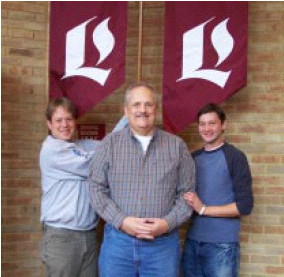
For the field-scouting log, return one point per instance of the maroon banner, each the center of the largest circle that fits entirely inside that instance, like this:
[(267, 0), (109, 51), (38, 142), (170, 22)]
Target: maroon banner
[(87, 50), (205, 57)]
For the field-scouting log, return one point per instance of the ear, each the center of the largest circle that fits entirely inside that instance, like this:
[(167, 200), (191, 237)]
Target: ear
[(157, 106), (125, 111), (48, 122), (224, 126)]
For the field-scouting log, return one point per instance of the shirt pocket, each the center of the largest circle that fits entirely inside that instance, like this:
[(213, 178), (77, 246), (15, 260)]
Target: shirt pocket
[(164, 169)]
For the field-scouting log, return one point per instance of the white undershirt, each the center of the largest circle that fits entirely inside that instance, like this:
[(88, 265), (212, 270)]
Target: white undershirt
[(214, 148), (144, 140)]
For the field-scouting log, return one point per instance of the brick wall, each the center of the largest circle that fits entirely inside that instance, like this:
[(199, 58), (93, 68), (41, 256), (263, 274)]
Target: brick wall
[(24, 87), (255, 115)]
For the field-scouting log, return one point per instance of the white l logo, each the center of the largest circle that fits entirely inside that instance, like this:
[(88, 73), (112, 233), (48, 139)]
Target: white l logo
[(103, 39), (193, 41)]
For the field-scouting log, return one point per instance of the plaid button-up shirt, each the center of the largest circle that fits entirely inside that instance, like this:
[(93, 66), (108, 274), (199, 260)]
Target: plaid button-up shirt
[(125, 181)]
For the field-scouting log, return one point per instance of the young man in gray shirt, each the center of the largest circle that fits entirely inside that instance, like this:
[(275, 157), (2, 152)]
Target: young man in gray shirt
[(69, 246)]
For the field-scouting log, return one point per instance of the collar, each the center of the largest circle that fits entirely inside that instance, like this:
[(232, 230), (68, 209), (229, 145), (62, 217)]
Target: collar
[(132, 135), (214, 149)]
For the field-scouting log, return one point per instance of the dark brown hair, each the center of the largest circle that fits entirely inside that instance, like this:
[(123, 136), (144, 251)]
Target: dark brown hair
[(211, 107)]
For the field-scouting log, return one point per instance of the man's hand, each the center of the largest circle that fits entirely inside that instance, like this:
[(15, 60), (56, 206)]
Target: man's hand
[(157, 226), (193, 201), (144, 228), (137, 227)]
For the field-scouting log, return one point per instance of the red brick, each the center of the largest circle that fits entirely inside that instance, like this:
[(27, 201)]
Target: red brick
[(275, 270), (258, 190), (12, 5), (10, 220), (21, 15), (25, 201), (266, 159), (15, 237), (252, 128), (252, 229), (274, 230), (238, 138), (266, 180), (275, 190), (21, 52), (36, 7)]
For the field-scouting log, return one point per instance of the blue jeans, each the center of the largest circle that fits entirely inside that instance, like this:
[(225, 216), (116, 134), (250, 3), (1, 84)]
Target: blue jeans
[(125, 256), (202, 259)]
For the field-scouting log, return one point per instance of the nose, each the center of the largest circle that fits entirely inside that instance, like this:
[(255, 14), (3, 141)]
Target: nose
[(206, 127), (143, 108), (64, 123)]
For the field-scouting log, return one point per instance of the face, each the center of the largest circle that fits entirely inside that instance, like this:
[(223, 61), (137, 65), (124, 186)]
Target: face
[(62, 124), (141, 111), (211, 129)]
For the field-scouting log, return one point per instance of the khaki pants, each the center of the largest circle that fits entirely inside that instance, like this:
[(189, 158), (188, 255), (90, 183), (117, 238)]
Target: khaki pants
[(69, 253)]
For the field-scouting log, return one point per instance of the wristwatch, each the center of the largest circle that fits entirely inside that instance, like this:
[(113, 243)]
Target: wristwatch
[(202, 210)]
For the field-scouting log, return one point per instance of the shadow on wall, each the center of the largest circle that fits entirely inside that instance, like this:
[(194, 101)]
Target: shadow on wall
[(23, 129)]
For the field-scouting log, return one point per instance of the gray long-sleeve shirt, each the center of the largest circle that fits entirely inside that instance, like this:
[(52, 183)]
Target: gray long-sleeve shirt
[(125, 181), (64, 171)]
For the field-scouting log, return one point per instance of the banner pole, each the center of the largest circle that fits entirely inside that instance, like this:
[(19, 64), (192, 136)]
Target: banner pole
[(139, 62)]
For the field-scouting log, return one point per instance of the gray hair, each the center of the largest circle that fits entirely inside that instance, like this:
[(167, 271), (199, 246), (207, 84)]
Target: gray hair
[(136, 85)]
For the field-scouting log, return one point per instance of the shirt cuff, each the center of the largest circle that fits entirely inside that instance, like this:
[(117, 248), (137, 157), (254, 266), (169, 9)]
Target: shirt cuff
[(171, 222), (117, 220)]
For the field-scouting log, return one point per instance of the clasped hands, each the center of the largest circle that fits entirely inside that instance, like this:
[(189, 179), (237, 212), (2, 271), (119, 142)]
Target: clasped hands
[(144, 228)]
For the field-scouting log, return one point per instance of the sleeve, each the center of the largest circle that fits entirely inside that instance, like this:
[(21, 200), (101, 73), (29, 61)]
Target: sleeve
[(64, 160), (99, 186), (122, 123), (180, 212), (242, 181), (88, 145)]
